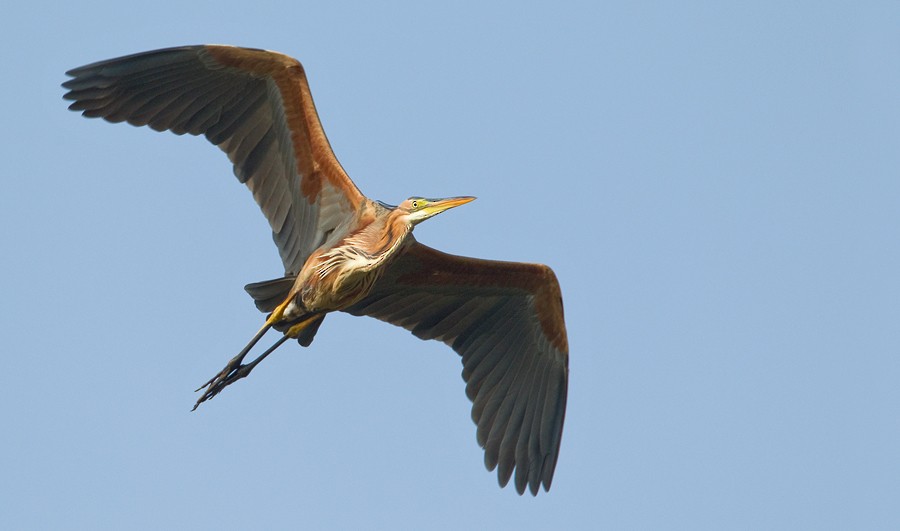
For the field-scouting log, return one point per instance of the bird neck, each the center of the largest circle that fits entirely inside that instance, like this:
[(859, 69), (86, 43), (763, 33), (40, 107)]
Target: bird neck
[(374, 243), (391, 231)]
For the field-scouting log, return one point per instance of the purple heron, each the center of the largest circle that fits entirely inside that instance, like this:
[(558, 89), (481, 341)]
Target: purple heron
[(345, 252)]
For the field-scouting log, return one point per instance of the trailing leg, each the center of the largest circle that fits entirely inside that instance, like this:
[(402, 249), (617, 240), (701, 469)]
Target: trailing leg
[(236, 369)]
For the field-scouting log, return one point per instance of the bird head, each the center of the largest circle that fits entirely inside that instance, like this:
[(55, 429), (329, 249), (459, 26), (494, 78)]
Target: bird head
[(418, 209)]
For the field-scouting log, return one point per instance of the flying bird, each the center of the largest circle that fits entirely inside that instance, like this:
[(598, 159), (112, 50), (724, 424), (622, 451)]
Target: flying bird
[(345, 252)]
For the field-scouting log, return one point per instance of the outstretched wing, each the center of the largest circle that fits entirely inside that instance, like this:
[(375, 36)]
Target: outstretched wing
[(506, 321), (256, 106)]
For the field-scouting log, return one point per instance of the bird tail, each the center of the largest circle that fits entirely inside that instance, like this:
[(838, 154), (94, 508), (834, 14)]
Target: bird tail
[(268, 294)]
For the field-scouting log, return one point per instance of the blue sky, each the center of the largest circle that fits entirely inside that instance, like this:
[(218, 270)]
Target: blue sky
[(716, 187)]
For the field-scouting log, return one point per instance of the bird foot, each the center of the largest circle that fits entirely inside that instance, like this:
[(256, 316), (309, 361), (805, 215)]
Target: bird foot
[(235, 370), (232, 372)]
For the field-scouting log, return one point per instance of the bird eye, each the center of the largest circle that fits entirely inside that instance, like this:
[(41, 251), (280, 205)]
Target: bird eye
[(415, 204)]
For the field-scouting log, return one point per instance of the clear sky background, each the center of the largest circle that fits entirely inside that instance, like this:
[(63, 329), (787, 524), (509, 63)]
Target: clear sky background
[(716, 186)]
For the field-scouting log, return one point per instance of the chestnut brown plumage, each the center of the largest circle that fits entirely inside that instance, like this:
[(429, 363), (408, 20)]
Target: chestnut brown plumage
[(345, 252)]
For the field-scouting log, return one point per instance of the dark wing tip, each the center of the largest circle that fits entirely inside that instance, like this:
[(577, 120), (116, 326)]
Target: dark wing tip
[(134, 58), (94, 73)]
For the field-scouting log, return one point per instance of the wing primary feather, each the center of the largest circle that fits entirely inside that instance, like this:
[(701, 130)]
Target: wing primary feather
[(491, 368), (526, 451), (513, 420), (179, 104), (478, 333), (495, 419), (160, 81), (223, 134), (195, 99), (156, 112), (123, 94), (135, 79), (558, 389), (245, 101), (121, 66), (480, 363), (206, 115), (537, 449), (494, 391)]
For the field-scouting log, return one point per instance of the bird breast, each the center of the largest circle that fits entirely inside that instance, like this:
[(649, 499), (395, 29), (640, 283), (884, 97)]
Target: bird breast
[(341, 277)]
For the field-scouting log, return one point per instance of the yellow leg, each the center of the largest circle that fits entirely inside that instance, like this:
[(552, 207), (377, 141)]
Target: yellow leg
[(278, 312), (295, 330), (235, 370)]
